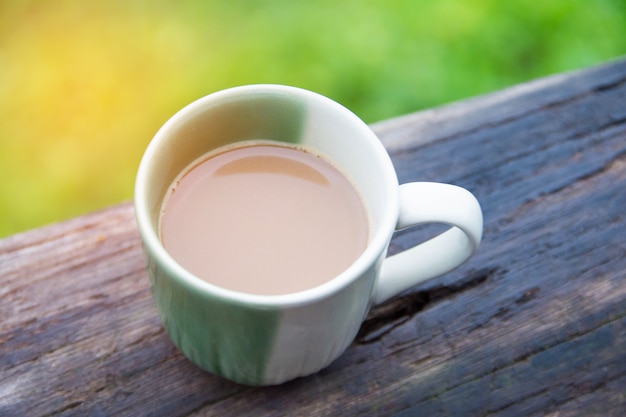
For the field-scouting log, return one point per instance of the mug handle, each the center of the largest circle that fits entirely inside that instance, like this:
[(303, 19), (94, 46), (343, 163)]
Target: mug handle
[(429, 202)]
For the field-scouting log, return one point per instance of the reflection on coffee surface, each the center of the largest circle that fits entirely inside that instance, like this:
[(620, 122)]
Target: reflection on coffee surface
[(264, 218)]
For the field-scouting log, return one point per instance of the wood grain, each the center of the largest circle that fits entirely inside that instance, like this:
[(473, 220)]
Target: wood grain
[(534, 324)]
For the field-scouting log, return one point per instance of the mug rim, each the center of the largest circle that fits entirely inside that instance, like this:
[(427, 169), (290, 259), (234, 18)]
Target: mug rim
[(376, 247)]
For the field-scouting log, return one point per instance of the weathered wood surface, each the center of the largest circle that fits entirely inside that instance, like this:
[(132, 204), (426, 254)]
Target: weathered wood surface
[(534, 324)]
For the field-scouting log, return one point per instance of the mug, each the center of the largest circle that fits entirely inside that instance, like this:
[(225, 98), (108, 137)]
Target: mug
[(269, 339)]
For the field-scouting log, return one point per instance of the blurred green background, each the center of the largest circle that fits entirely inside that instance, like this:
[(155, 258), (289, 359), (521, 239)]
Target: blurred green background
[(84, 84)]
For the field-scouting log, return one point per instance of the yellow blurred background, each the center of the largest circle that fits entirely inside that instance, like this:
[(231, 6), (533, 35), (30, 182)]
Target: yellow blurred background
[(85, 84)]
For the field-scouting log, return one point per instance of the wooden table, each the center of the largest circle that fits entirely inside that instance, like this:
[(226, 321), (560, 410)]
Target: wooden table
[(534, 324)]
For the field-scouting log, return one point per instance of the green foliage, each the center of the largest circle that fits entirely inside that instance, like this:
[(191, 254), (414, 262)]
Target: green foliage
[(84, 85)]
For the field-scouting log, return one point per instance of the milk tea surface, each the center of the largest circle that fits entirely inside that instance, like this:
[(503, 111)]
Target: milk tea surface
[(264, 219)]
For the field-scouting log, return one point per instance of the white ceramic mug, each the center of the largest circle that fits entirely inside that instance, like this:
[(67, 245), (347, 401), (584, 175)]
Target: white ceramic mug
[(270, 339)]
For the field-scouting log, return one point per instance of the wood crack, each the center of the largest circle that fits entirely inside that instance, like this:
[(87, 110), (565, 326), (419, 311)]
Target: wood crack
[(386, 317), (69, 407)]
